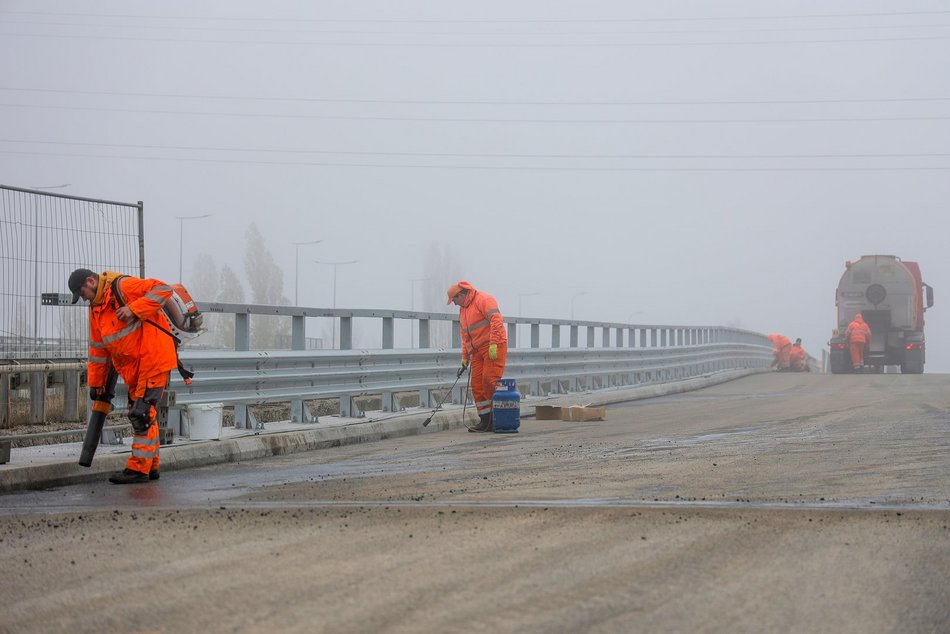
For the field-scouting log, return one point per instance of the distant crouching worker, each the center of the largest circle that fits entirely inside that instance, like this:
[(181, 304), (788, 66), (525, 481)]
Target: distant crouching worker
[(125, 317), (780, 351), (858, 335), (796, 357), (484, 345)]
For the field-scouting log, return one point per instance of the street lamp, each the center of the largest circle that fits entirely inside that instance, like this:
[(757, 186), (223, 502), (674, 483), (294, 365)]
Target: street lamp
[(335, 265), (412, 305), (573, 297), (181, 236), (297, 246)]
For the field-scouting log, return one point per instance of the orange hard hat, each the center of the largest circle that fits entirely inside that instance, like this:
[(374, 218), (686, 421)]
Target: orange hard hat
[(454, 290)]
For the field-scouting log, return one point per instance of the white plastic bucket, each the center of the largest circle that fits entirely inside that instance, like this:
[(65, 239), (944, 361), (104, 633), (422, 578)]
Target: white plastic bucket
[(204, 420)]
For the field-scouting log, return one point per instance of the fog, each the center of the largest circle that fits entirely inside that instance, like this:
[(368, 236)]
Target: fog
[(683, 163)]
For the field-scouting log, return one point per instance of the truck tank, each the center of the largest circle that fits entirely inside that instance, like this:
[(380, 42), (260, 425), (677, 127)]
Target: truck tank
[(891, 296)]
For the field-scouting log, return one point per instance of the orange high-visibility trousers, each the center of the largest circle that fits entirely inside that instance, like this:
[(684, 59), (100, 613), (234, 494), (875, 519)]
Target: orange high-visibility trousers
[(145, 447), (857, 353), (485, 373)]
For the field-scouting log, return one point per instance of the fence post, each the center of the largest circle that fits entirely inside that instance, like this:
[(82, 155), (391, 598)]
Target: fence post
[(4, 400), (37, 397)]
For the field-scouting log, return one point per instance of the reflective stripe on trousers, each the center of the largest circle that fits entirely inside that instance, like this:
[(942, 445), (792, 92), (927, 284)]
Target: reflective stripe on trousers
[(485, 373)]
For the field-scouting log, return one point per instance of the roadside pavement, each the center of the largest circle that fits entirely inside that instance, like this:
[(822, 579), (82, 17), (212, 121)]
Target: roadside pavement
[(45, 466)]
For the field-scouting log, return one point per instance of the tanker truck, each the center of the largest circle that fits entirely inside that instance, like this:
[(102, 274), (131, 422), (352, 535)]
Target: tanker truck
[(891, 296)]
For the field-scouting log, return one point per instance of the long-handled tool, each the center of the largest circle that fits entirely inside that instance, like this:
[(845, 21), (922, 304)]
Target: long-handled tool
[(101, 406), (458, 376)]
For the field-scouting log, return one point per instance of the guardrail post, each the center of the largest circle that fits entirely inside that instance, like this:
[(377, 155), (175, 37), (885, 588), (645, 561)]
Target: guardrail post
[(590, 336), (387, 402), (388, 330), (573, 336), (424, 398), (605, 336), (242, 332), (37, 397), (297, 333), (535, 335), (346, 406), (71, 395), (424, 339), (555, 336), (456, 334), (663, 333), (346, 333), (244, 418), (512, 335)]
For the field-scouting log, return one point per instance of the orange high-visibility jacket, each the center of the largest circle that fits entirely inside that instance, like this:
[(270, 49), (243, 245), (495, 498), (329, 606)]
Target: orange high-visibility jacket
[(796, 357), (858, 330), (137, 349), (779, 341), (481, 322)]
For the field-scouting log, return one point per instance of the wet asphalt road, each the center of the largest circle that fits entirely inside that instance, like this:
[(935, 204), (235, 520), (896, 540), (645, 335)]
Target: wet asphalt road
[(778, 502)]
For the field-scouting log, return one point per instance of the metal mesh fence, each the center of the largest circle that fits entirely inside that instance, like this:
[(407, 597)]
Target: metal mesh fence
[(43, 238)]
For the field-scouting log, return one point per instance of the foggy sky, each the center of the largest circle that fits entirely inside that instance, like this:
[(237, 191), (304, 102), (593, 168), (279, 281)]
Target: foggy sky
[(679, 163)]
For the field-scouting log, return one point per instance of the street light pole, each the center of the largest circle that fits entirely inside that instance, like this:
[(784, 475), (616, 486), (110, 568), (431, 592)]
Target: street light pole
[(573, 297), (297, 246), (335, 265), (181, 238)]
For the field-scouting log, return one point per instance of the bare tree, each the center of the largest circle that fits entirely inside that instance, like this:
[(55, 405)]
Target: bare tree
[(230, 291), (266, 280), (203, 289), (441, 269)]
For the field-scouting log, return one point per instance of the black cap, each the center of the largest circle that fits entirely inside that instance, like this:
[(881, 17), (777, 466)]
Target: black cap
[(76, 279)]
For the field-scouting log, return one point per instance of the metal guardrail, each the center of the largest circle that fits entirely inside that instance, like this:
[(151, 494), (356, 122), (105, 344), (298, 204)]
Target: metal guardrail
[(242, 378), (622, 354)]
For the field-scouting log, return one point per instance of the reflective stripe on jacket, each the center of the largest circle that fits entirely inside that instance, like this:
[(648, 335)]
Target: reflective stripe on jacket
[(858, 331), (481, 322), (137, 348)]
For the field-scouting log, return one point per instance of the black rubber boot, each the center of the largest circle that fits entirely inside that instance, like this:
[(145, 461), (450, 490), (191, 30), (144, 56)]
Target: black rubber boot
[(128, 476), (483, 424), (154, 474)]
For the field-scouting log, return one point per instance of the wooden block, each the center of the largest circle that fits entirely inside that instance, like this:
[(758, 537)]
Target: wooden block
[(584, 413), (547, 412)]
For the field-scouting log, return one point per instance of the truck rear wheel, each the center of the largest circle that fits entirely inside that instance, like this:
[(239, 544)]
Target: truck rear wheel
[(840, 363), (913, 362)]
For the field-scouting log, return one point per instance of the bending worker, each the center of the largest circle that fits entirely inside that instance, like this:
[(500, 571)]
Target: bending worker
[(796, 357), (858, 335), (125, 314), (484, 345), (780, 351)]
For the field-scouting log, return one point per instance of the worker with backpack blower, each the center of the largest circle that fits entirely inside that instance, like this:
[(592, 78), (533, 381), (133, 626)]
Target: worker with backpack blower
[(484, 346), (129, 331)]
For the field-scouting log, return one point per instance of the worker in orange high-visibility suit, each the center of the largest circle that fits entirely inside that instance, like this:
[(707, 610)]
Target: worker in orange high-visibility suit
[(796, 357), (858, 335), (125, 314), (484, 346), (781, 348)]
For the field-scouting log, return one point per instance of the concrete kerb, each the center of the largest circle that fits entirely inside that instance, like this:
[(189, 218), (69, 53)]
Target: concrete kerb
[(64, 469)]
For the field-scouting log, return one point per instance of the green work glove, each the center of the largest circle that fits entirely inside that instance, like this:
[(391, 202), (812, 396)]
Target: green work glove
[(464, 362), (493, 351)]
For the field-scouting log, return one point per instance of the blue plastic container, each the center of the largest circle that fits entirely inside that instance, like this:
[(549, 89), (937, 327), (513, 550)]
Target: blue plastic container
[(506, 407)]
